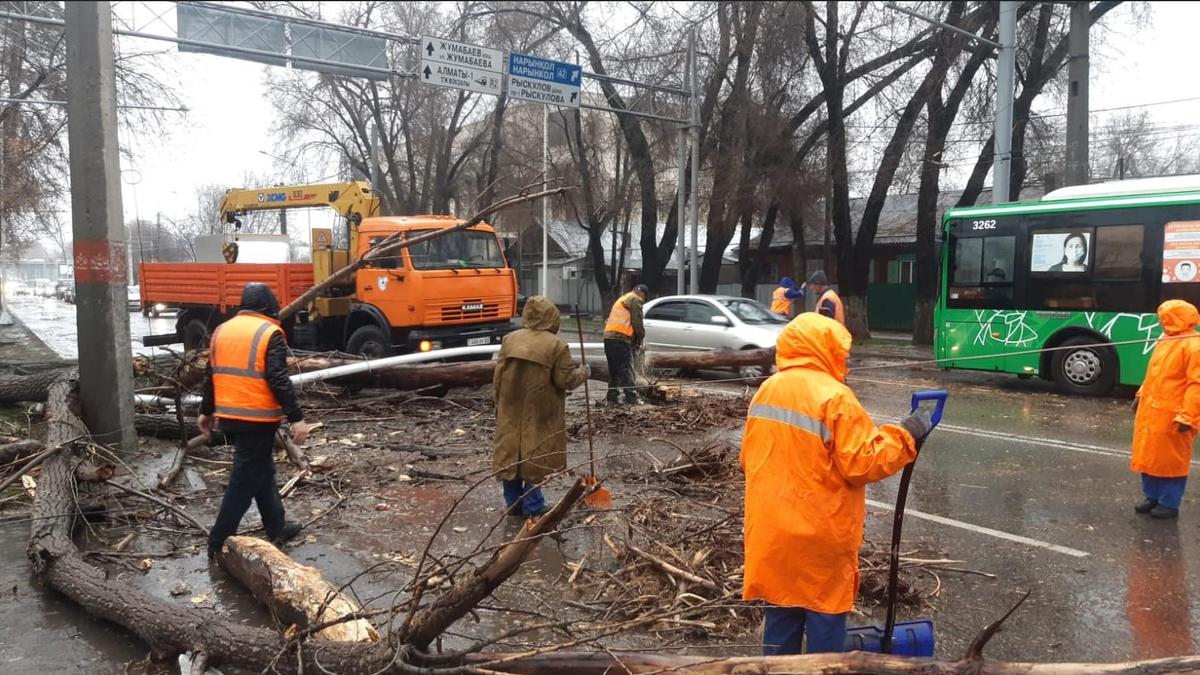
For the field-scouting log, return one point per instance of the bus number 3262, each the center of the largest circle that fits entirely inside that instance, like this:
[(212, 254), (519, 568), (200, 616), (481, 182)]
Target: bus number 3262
[(983, 225)]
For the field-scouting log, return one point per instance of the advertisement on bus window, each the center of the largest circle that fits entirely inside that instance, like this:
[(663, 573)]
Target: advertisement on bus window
[(1064, 252), (1181, 252)]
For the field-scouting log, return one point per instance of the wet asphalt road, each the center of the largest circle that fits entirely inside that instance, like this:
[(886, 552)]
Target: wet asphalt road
[(54, 322), (1019, 482), (1034, 487)]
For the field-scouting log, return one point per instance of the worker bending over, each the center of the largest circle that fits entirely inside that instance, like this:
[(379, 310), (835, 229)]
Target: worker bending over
[(781, 299), (248, 389), (809, 449), (1167, 411), (624, 336), (533, 374)]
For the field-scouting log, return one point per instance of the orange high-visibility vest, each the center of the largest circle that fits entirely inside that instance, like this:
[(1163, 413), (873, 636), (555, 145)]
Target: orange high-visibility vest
[(238, 356), (619, 319), (780, 304), (839, 313)]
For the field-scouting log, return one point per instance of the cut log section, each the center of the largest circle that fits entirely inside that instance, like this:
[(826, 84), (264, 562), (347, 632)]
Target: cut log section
[(298, 594)]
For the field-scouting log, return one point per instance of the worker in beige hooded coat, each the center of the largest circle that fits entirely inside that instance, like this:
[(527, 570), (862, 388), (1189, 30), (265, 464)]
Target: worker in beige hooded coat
[(533, 374)]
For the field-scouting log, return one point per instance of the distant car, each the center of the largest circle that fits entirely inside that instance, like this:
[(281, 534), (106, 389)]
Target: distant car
[(43, 288), (707, 322), (134, 295), (16, 287), (68, 294), (62, 286)]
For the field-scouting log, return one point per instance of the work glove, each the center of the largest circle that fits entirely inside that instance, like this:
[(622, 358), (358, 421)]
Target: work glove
[(587, 370), (205, 422), (1182, 428), (918, 423)]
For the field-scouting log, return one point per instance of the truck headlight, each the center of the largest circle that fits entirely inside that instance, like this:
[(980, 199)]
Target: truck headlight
[(159, 307), (427, 345)]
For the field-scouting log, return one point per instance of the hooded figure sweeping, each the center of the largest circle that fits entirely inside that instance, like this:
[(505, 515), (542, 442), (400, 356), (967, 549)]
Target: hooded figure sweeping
[(1167, 411), (534, 372)]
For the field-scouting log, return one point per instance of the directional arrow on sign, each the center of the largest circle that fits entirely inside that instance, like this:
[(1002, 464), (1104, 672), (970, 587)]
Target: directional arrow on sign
[(429, 48), (427, 72), (573, 95)]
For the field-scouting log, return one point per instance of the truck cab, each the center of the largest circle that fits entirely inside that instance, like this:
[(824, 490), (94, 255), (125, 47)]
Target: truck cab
[(453, 291)]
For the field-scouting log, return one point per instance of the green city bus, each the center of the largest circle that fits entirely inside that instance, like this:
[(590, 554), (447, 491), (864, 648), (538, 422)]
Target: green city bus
[(1082, 271)]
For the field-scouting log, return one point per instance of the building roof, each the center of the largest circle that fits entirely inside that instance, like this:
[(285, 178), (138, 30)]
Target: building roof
[(897, 221)]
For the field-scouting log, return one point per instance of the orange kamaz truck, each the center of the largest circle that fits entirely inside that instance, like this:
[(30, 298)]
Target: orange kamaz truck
[(451, 291)]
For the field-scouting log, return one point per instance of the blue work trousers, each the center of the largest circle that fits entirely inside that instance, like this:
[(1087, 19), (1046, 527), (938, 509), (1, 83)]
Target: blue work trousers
[(1166, 492), (784, 628), (522, 497)]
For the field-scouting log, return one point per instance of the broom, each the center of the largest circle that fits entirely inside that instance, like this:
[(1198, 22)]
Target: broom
[(599, 497)]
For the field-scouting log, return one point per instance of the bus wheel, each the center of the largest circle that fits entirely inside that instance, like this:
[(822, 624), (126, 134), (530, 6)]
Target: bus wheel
[(195, 335), (1086, 369), (369, 341)]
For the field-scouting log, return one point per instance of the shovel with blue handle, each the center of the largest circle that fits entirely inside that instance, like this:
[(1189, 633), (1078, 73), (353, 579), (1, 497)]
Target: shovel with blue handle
[(910, 638)]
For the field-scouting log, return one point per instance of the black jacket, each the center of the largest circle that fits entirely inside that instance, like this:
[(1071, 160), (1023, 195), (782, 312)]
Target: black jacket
[(277, 379)]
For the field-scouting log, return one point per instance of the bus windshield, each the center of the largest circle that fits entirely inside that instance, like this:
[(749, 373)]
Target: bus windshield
[(457, 250)]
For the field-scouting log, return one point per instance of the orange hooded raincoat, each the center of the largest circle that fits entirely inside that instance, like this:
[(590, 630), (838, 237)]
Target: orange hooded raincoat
[(1169, 394), (809, 450)]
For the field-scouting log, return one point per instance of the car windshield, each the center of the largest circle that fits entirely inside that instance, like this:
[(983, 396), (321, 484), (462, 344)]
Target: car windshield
[(752, 312), (465, 248)]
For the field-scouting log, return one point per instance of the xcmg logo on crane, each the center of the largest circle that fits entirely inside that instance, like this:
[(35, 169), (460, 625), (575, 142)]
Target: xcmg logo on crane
[(272, 197)]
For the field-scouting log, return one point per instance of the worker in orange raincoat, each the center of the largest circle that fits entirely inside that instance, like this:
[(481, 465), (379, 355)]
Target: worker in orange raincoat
[(1167, 410), (809, 450)]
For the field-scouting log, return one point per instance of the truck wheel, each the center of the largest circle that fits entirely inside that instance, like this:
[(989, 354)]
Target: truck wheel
[(1087, 370), (195, 335), (369, 341)]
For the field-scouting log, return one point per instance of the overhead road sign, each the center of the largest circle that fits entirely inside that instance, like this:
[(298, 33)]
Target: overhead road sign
[(461, 54), (458, 65), (460, 77), (533, 78)]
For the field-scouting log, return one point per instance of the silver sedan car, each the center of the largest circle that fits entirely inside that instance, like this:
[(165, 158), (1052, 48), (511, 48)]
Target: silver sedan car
[(706, 322)]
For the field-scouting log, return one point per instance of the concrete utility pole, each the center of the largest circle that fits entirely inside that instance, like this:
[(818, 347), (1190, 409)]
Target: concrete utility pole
[(1078, 67), (545, 202), (1005, 76), (101, 275), (681, 204), (694, 214)]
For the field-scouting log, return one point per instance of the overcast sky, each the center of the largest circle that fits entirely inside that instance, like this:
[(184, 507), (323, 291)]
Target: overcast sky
[(229, 122)]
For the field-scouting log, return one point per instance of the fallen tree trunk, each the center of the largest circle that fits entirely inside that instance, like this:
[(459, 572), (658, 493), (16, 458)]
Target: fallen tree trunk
[(296, 593), (479, 373), (32, 386), (588, 663), (167, 426)]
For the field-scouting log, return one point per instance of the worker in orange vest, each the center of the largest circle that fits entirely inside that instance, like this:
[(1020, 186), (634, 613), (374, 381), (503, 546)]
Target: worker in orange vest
[(809, 449), (1167, 411), (828, 302), (248, 390), (623, 338), (781, 299)]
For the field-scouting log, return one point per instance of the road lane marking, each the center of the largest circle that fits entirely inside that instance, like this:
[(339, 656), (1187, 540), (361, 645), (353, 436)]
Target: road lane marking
[(942, 520)]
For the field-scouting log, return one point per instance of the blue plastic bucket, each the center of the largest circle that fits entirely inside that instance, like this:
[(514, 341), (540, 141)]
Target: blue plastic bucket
[(910, 638)]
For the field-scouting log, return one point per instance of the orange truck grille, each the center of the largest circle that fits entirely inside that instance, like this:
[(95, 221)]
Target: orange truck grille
[(467, 310)]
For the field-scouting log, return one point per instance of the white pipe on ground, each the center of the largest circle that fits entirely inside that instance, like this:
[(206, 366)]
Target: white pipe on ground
[(374, 365)]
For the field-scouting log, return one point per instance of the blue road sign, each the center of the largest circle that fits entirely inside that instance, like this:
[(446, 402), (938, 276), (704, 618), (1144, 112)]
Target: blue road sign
[(547, 70)]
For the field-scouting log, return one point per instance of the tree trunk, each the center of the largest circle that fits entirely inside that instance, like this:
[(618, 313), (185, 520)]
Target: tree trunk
[(295, 593)]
